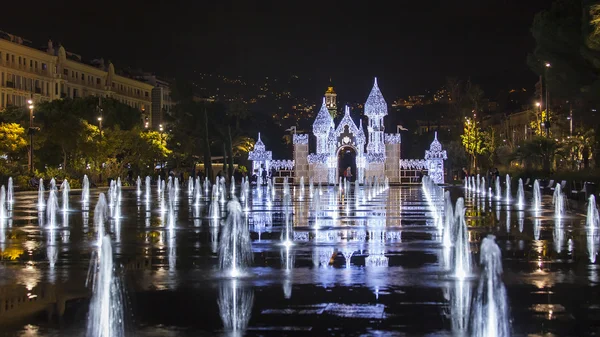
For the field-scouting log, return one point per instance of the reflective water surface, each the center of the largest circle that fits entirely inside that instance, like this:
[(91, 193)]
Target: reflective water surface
[(359, 263)]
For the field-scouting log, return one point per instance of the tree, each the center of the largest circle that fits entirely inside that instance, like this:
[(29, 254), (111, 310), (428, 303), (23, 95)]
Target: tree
[(61, 123), (12, 140), (537, 152), (567, 37), (192, 132), (491, 142), (472, 140)]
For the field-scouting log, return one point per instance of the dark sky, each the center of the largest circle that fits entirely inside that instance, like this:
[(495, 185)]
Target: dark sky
[(410, 45)]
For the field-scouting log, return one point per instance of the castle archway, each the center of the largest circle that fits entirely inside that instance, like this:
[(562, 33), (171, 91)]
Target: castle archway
[(346, 158)]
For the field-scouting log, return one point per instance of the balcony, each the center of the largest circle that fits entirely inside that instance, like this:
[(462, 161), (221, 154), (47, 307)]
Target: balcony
[(10, 84), (38, 91)]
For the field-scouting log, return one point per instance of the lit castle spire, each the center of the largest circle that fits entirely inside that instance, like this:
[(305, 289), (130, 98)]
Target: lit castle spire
[(375, 110), (321, 127)]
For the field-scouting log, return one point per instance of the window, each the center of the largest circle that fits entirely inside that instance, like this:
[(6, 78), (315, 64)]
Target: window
[(82, 76), (19, 60), (36, 65), (66, 72), (1, 100), (146, 94), (98, 80), (56, 88), (44, 66), (30, 63)]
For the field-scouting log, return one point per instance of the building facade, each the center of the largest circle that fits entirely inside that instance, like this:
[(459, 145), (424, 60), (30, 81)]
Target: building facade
[(53, 73), (162, 103)]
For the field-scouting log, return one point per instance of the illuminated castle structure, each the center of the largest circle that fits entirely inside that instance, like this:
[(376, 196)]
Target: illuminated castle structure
[(368, 155), (377, 154)]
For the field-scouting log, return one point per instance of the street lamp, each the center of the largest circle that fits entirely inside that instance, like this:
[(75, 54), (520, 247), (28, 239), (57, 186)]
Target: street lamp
[(547, 122), (100, 123), (537, 116), (160, 128), (31, 106)]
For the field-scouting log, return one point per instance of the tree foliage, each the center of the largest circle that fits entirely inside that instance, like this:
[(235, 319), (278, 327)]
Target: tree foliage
[(12, 139), (472, 140)]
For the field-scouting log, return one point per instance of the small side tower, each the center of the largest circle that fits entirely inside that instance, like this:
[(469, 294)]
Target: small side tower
[(321, 127)]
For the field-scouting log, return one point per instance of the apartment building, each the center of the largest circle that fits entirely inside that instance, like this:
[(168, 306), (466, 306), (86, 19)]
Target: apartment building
[(50, 73)]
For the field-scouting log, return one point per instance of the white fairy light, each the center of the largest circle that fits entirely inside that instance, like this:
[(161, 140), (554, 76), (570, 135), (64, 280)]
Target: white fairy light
[(300, 138), (435, 157)]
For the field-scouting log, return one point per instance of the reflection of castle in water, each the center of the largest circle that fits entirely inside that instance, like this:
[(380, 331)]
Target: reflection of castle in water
[(368, 241)]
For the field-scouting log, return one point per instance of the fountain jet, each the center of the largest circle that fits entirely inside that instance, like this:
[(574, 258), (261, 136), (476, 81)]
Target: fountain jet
[(51, 208), (537, 196), (520, 195), (85, 190), (3, 211), (235, 250), (10, 191), (215, 211), (490, 307), (65, 188), (100, 215), (461, 255), (559, 201), (105, 317), (41, 201), (508, 194)]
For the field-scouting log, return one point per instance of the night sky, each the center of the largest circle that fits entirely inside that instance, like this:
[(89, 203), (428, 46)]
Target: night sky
[(410, 45)]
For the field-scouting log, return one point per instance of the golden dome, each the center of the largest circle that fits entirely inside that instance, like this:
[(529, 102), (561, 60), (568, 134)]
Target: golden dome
[(330, 90)]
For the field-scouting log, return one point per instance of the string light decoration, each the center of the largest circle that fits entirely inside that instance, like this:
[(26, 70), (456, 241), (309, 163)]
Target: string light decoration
[(375, 109), (321, 127), (375, 158), (285, 164), (376, 104), (347, 121), (260, 157), (300, 138), (318, 158), (393, 138), (435, 157), (259, 152), (413, 164)]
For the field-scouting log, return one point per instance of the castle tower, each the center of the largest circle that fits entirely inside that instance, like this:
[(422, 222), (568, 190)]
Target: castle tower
[(375, 110), (321, 128), (331, 100)]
